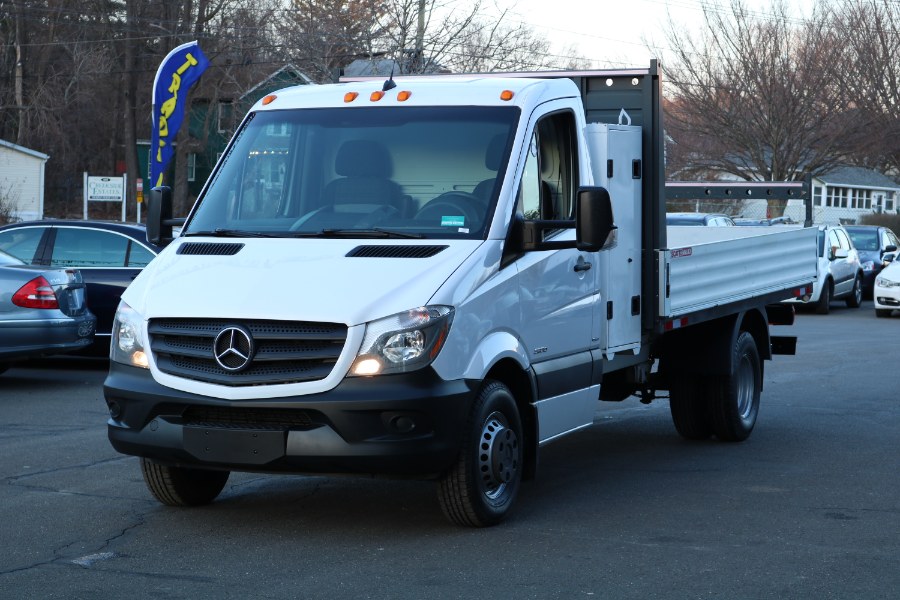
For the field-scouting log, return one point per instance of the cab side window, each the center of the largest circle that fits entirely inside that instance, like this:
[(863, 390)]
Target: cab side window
[(550, 176)]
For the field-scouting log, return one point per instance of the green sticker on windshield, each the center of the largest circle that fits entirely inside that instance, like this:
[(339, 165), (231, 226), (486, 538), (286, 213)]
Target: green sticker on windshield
[(453, 221)]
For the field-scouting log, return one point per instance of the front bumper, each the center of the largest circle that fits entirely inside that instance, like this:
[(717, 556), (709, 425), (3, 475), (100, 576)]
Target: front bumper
[(887, 298), (408, 425)]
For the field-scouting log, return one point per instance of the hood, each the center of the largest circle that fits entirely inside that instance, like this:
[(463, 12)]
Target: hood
[(349, 281)]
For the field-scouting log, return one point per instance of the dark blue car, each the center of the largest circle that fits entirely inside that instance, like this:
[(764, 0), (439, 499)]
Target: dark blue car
[(872, 242), (108, 254)]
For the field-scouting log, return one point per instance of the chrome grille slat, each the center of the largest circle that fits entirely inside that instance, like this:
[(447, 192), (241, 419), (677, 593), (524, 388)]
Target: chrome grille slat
[(286, 351)]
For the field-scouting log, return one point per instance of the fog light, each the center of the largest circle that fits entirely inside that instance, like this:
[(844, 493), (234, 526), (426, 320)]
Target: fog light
[(115, 409)]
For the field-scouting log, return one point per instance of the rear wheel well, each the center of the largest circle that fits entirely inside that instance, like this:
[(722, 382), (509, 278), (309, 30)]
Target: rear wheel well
[(521, 385)]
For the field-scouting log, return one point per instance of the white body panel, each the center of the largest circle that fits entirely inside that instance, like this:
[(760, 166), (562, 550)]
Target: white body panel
[(706, 267)]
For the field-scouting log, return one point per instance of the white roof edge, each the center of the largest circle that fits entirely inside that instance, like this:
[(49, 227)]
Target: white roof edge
[(24, 150)]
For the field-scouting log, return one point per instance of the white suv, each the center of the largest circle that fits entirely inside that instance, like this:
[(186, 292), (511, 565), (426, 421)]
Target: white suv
[(840, 272)]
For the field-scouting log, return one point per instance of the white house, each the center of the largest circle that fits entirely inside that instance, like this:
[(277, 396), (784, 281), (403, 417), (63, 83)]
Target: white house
[(22, 181), (842, 195)]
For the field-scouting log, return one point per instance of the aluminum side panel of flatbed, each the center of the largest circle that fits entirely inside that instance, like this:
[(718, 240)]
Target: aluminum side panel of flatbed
[(706, 267)]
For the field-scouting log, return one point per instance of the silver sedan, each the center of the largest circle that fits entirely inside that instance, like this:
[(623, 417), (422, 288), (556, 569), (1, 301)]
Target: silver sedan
[(42, 311)]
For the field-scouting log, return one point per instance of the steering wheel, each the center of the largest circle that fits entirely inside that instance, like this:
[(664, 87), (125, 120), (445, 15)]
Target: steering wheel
[(453, 204)]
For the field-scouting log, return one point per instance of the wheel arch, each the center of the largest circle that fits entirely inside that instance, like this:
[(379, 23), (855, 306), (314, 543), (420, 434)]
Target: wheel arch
[(705, 348)]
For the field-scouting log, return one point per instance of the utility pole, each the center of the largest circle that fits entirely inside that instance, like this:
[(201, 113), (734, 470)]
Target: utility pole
[(419, 60)]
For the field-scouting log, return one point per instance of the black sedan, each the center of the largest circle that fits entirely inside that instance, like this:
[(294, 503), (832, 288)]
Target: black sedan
[(108, 254), (42, 311), (872, 242)]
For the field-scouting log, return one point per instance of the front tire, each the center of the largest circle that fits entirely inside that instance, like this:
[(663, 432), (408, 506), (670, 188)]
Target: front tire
[(179, 486), (734, 398), (480, 489), (856, 294)]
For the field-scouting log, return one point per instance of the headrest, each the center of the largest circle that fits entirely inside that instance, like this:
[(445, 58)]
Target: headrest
[(495, 152), (363, 158)]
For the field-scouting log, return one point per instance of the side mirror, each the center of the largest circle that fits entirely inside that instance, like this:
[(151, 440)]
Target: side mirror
[(890, 257), (159, 216), (594, 227), (840, 253)]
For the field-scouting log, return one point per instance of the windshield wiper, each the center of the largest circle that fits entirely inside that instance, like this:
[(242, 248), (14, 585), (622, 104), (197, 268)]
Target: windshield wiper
[(375, 232), (237, 233)]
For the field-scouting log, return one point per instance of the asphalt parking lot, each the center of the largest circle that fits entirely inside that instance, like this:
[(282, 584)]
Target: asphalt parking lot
[(808, 507)]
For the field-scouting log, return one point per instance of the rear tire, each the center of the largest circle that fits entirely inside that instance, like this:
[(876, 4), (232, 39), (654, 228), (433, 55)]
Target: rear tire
[(179, 486), (734, 398), (479, 490), (688, 405), (824, 305), (855, 298)]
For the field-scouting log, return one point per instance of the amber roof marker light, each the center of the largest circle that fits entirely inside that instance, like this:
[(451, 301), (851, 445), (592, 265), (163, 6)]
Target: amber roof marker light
[(506, 95), (376, 96), (350, 96), (268, 99), (403, 96)]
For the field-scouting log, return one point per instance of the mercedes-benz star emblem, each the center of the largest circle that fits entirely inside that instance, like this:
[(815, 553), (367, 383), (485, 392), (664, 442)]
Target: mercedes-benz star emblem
[(234, 349)]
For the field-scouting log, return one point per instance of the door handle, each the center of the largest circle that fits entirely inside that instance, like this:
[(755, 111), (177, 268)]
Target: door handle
[(582, 265)]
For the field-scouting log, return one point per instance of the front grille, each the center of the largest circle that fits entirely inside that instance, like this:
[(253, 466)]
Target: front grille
[(262, 419), (285, 351)]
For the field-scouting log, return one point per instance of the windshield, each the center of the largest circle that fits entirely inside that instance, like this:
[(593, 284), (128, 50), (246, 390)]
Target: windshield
[(431, 172), (864, 240)]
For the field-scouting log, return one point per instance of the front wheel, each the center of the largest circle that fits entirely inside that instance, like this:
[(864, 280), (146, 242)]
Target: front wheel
[(479, 490), (734, 398), (855, 298), (180, 486)]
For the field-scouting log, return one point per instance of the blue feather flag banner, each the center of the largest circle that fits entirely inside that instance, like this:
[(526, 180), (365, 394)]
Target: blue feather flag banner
[(180, 70)]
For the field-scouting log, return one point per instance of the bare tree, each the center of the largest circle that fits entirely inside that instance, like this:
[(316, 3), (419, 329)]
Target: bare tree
[(755, 97), (324, 35), (870, 75)]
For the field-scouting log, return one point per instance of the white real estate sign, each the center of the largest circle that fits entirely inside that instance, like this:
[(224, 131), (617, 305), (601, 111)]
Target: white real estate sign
[(105, 189)]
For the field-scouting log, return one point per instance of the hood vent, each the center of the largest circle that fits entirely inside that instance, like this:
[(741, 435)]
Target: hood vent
[(395, 251), (208, 249)]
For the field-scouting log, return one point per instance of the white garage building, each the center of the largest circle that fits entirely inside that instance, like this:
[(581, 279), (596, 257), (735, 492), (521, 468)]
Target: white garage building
[(22, 181)]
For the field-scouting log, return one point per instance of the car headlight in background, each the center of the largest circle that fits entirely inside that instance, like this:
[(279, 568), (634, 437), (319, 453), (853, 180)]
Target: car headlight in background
[(886, 283), (127, 344), (403, 342)]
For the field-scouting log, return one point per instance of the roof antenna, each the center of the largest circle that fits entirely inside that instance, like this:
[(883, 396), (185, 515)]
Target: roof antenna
[(389, 84)]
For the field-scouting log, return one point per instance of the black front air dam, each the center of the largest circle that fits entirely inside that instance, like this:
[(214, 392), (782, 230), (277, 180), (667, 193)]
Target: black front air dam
[(404, 425)]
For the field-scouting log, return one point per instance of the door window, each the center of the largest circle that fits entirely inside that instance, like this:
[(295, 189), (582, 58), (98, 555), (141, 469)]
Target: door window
[(22, 242), (547, 189), (88, 248)]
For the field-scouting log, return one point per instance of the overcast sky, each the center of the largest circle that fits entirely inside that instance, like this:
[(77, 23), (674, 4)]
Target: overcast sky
[(611, 32)]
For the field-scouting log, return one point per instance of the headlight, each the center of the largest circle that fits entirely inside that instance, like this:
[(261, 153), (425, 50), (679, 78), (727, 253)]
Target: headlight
[(886, 283), (127, 344), (868, 265), (403, 342)]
